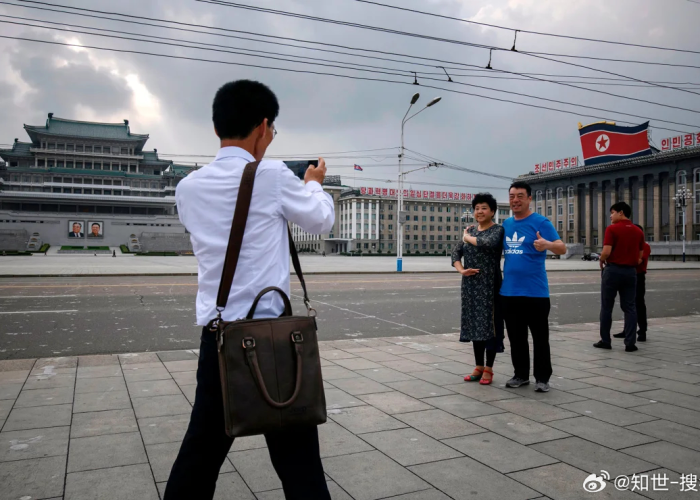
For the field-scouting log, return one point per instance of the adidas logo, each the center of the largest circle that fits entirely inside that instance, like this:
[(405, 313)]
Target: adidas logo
[(514, 243)]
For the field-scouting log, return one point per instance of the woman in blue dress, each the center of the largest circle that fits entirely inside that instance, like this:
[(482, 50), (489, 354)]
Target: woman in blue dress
[(478, 259)]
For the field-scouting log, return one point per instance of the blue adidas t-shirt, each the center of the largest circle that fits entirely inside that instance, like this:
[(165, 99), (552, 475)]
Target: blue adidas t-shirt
[(524, 274)]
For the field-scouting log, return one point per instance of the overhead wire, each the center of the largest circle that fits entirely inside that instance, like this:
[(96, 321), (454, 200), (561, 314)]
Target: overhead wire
[(375, 69), (531, 32), (290, 70)]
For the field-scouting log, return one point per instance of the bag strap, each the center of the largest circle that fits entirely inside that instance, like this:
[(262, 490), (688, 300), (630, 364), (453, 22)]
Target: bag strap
[(235, 241)]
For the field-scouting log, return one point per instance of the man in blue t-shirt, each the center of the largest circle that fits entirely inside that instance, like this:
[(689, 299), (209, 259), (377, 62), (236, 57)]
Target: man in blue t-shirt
[(525, 291)]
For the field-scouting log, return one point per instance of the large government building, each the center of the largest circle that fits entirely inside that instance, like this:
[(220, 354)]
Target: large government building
[(577, 200)]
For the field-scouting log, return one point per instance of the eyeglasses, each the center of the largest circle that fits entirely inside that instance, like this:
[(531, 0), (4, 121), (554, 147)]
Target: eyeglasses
[(274, 131)]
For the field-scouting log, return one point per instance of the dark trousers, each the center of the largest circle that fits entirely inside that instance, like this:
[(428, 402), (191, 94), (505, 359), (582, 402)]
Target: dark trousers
[(640, 303), (294, 454), (622, 280), (479, 350), (520, 314)]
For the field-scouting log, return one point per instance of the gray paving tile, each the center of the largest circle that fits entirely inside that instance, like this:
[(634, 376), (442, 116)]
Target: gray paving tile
[(439, 377), (431, 494), (98, 360), (167, 429), (589, 456), (385, 375), (532, 409), (8, 365), (103, 384), (256, 469), (141, 373), (611, 397), (553, 397), (159, 406), (138, 358), (251, 442), (601, 432), (607, 413), (687, 378), (357, 364), (419, 388), (10, 391), (672, 398), (96, 401), (335, 440), (562, 481), (185, 378), (396, 349), (517, 428), (5, 407), (98, 423), (166, 356), (38, 417), (185, 365), (673, 413), (99, 371), (360, 385), (616, 385), (371, 475), (465, 478), (670, 431), (410, 447), (362, 419), (45, 397), (101, 452), (394, 402), (425, 357), (567, 384), (462, 406), (13, 377), (35, 478), (150, 388), (497, 452), (439, 424), (33, 443), (49, 381), (231, 486), (668, 455), (332, 373), (162, 457), (483, 393), (453, 367), (116, 483), (378, 356), (672, 385), (58, 362), (189, 391), (335, 399), (338, 354)]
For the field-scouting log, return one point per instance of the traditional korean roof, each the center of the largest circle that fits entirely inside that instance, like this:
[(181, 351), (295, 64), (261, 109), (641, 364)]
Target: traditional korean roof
[(18, 149), (73, 128)]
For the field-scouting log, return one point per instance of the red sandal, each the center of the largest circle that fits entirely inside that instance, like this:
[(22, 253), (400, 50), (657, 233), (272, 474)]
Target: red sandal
[(475, 375), (484, 380)]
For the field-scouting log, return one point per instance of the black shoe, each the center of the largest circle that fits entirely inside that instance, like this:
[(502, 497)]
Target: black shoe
[(641, 337), (631, 348), (602, 345), (620, 335)]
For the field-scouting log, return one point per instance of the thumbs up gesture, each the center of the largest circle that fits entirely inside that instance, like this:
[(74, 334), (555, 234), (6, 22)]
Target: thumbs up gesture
[(540, 243)]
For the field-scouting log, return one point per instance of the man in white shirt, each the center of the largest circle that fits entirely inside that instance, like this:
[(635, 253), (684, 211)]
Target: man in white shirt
[(243, 115)]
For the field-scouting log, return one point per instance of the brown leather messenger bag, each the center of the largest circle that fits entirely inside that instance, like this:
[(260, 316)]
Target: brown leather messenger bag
[(270, 368)]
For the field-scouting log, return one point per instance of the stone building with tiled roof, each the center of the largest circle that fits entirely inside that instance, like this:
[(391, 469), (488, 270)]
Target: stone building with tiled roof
[(86, 172)]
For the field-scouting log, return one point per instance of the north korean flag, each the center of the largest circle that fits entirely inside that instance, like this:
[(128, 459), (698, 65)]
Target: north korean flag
[(602, 142)]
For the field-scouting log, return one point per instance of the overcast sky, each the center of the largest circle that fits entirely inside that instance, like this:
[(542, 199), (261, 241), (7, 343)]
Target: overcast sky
[(170, 99)]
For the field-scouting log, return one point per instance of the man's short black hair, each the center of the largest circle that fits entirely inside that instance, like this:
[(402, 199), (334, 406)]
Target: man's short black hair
[(623, 207), (241, 106), (95, 224), (78, 224), (521, 185), (485, 198)]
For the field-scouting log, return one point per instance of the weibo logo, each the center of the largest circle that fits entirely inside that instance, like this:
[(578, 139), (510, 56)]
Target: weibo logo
[(514, 243)]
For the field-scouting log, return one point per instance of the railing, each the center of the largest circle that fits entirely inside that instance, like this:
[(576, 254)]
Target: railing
[(84, 153)]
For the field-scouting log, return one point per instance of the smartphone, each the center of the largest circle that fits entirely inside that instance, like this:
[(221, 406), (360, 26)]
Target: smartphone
[(299, 166)]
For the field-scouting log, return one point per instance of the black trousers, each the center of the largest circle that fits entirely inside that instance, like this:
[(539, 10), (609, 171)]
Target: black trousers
[(479, 350), (294, 454), (622, 280), (520, 314), (640, 303)]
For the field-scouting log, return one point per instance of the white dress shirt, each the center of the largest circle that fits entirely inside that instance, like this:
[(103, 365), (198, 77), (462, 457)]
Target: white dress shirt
[(206, 200)]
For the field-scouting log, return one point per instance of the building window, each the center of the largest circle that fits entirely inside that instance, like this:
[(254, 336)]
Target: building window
[(571, 239), (549, 194), (560, 225), (560, 193), (549, 210), (432, 209), (424, 208), (583, 240), (571, 192), (595, 241), (560, 210), (539, 210), (538, 196), (571, 224)]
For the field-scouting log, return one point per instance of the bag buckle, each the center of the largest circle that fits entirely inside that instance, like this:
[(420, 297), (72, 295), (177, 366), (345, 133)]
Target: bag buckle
[(309, 310), (248, 343), (297, 337)]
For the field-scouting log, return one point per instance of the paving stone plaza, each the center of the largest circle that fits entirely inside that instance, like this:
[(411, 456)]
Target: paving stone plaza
[(402, 424)]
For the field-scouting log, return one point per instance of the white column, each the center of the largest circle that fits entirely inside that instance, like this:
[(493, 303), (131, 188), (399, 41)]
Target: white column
[(369, 214), (353, 219)]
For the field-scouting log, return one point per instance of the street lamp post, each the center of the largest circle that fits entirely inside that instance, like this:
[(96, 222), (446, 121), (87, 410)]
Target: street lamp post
[(399, 204), (682, 196)]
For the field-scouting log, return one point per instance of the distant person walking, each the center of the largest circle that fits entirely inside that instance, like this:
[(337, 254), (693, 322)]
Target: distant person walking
[(641, 289), (525, 290), (478, 259), (623, 251), (114, 253)]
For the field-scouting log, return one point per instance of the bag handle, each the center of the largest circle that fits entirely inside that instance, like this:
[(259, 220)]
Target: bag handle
[(233, 251), (285, 299), (249, 346)]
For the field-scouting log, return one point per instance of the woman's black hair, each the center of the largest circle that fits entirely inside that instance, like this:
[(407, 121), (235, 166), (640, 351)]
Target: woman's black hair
[(485, 198)]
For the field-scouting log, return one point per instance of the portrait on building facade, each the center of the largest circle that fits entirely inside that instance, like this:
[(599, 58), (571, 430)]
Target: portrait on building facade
[(95, 229), (76, 228)]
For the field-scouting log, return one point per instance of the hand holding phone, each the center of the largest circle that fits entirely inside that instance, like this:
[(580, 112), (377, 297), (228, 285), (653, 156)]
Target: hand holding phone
[(316, 171)]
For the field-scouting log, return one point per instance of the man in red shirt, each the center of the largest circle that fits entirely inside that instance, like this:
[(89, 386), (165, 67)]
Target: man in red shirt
[(623, 251), (640, 304)]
